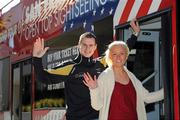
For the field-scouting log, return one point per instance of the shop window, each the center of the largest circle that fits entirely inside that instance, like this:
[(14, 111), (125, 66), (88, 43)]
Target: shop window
[(4, 84)]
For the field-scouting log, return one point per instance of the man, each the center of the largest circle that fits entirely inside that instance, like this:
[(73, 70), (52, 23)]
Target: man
[(77, 94)]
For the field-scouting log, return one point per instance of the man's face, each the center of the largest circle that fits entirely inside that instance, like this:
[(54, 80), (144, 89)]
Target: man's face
[(87, 47)]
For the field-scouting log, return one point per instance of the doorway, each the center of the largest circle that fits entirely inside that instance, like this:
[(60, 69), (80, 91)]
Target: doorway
[(21, 90), (144, 62)]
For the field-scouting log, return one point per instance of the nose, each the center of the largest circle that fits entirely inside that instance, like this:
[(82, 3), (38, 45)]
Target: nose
[(118, 56), (87, 47)]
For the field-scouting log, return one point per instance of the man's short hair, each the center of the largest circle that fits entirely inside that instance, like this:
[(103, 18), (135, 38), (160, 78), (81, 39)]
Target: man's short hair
[(87, 35)]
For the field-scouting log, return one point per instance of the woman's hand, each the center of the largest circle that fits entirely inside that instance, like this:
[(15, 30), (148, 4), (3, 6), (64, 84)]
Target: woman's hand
[(38, 48), (89, 81)]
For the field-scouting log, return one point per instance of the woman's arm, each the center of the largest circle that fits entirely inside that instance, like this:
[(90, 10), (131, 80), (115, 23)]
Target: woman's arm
[(151, 97)]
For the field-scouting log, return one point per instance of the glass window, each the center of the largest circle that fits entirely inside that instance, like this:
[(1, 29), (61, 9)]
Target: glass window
[(22, 95), (4, 84)]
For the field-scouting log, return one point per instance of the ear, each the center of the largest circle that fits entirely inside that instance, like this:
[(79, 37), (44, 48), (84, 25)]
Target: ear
[(95, 47)]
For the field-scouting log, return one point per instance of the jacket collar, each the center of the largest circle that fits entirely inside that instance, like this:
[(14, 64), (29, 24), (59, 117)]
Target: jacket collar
[(130, 74), (81, 60)]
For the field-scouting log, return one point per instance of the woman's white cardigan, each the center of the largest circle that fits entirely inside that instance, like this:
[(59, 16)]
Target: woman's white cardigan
[(101, 96)]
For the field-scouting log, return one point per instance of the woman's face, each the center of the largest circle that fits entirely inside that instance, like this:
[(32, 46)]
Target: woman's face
[(118, 55), (87, 47)]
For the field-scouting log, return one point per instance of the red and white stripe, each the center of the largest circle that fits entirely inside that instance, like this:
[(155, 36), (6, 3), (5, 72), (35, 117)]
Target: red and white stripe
[(119, 11), (154, 6), (129, 9), (134, 10)]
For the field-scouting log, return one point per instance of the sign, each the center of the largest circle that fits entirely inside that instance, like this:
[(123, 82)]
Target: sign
[(48, 114), (49, 18), (55, 58)]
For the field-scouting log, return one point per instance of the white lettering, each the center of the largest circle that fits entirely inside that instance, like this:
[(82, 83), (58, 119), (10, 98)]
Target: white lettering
[(49, 58), (76, 10), (81, 7), (27, 19), (36, 19), (103, 2), (37, 9), (86, 4)]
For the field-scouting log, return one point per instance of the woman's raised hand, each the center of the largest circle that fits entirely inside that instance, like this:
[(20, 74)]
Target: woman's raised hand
[(38, 48), (89, 81)]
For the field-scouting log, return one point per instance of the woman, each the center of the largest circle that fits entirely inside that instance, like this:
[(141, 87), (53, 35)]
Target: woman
[(117, 93)]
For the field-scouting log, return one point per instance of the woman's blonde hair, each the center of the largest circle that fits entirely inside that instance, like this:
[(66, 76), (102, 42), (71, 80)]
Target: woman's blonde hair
[(110, 46)]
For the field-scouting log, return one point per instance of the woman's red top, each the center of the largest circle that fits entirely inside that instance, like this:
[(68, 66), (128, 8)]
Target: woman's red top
[(123, 102)]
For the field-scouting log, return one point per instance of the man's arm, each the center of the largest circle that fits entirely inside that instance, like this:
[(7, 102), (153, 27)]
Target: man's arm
[(44, 76), (131, 41), (135, 29)]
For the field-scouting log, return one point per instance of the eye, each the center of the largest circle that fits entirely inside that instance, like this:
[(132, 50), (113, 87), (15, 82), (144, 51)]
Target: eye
[(92, 45), (84, 45), (114, 54)]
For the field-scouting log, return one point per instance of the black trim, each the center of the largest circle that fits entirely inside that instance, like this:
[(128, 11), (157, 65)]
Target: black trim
[(144, 18), (178, 46), (167, 68)]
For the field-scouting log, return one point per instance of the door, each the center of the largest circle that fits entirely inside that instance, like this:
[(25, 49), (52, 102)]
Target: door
[(144, 62), (21, 90), (15, 91)]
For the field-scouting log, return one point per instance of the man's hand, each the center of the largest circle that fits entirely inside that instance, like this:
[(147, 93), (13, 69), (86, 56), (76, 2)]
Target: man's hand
[(38, 48), (135, 26)]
